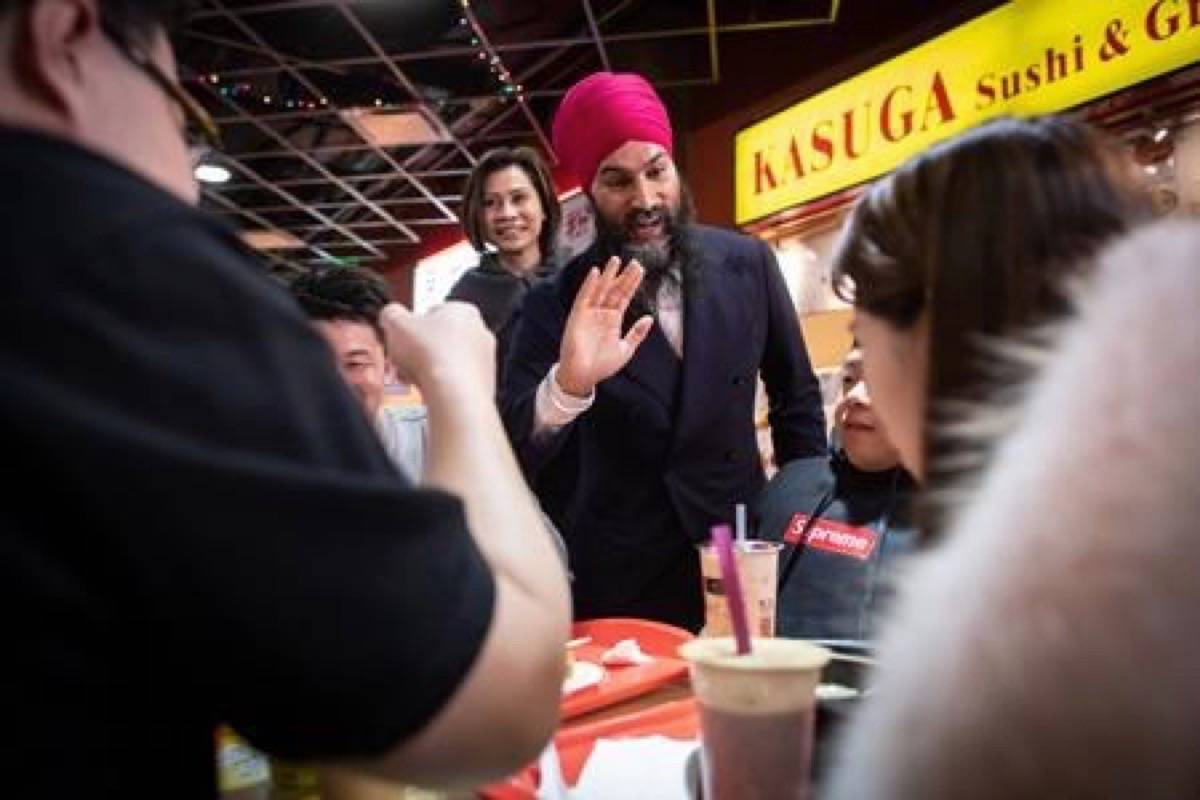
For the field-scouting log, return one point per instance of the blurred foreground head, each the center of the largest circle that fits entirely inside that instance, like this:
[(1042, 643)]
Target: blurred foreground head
[(82, 70), (973, 242)]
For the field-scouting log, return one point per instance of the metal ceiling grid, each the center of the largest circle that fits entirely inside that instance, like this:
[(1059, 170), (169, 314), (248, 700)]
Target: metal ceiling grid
[(278, 75)]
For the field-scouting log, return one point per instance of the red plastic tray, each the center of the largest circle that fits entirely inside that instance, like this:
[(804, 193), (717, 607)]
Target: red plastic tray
[(678, 719), (575, 740), (621, 683)]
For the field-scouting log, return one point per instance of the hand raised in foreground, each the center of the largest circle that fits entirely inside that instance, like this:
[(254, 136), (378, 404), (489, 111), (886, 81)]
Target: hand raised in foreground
[(593, 348), (448, 343)]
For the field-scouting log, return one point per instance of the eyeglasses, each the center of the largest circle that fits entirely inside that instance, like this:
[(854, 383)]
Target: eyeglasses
[(199, 125)]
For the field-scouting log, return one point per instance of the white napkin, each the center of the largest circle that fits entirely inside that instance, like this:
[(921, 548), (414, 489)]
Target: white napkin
[(552, 786), (620, 769), (625, 653)]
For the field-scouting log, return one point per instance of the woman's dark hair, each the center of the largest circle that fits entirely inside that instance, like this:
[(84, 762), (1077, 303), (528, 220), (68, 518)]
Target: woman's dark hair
[(528, 160), (985, 233)]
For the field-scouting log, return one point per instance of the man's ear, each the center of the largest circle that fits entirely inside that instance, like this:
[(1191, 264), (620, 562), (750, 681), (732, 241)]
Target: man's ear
[(49, 44)]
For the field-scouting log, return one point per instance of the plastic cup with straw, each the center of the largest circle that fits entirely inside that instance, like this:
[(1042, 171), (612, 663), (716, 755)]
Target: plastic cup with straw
[(758, 569), (757, 709)]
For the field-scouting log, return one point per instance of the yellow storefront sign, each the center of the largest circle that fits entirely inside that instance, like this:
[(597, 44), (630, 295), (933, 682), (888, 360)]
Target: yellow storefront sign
[(1026, 57)]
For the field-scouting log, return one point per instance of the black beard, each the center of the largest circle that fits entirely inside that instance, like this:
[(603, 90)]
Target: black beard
[(665, 260)]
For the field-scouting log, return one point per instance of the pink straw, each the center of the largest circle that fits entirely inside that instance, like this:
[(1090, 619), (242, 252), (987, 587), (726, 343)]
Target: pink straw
[(722, 541)]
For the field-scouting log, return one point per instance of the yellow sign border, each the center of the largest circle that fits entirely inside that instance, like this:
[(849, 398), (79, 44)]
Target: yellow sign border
[(1025, 58)]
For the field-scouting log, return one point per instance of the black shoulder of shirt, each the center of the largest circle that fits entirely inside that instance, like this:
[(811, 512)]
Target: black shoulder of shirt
[(490, 277), (492, 290), (487, 276), (198, 393), (61, 181), (79, 222)]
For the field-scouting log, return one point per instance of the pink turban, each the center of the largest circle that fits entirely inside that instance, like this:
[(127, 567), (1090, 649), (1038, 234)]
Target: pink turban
[(600, 114)]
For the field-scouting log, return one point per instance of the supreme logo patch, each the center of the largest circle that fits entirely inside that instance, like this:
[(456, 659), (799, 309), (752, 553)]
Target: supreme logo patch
[(833, 537)]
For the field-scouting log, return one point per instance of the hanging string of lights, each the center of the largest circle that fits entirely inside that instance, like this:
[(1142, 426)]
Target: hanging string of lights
[(241, 90), (506, 86)]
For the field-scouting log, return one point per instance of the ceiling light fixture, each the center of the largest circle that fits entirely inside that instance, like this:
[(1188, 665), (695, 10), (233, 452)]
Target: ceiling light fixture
[(272, 239), (404, 126), (212, 173)]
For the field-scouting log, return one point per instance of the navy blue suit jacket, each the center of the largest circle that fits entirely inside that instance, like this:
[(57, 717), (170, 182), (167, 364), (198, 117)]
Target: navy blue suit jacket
[(669, 445)]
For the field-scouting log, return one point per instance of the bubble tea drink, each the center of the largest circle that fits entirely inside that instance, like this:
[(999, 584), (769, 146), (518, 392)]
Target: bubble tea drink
[(758, 565), (756, 716)]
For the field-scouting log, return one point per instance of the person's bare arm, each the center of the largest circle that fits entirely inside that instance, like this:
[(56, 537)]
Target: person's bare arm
[(507, 707)]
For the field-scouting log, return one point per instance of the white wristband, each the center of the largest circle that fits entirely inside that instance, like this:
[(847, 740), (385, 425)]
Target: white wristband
[(554, 408)]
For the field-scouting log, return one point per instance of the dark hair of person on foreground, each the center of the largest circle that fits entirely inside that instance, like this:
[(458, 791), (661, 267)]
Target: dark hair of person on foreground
[(976, 241)]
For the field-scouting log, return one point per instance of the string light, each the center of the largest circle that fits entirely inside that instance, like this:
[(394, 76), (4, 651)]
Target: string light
[(506, 88), (249, 93)]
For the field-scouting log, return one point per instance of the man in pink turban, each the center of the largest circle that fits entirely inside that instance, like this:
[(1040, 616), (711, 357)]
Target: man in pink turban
[(600, 114), (636, 366)]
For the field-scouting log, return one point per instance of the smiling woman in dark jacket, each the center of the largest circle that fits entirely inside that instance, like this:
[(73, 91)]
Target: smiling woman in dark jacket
[(511, 215)]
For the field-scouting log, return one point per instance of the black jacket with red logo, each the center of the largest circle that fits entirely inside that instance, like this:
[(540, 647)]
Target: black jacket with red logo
[(841, 577)]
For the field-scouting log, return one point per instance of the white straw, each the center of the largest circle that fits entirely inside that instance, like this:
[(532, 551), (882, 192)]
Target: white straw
[(741, 522)]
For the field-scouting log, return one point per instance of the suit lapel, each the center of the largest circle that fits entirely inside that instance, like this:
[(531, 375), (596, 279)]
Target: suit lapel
[(709, 333), (655, 368)]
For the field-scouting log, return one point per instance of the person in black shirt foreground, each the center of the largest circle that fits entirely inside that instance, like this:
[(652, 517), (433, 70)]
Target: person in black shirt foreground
[(200, 525), (845, 520)]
